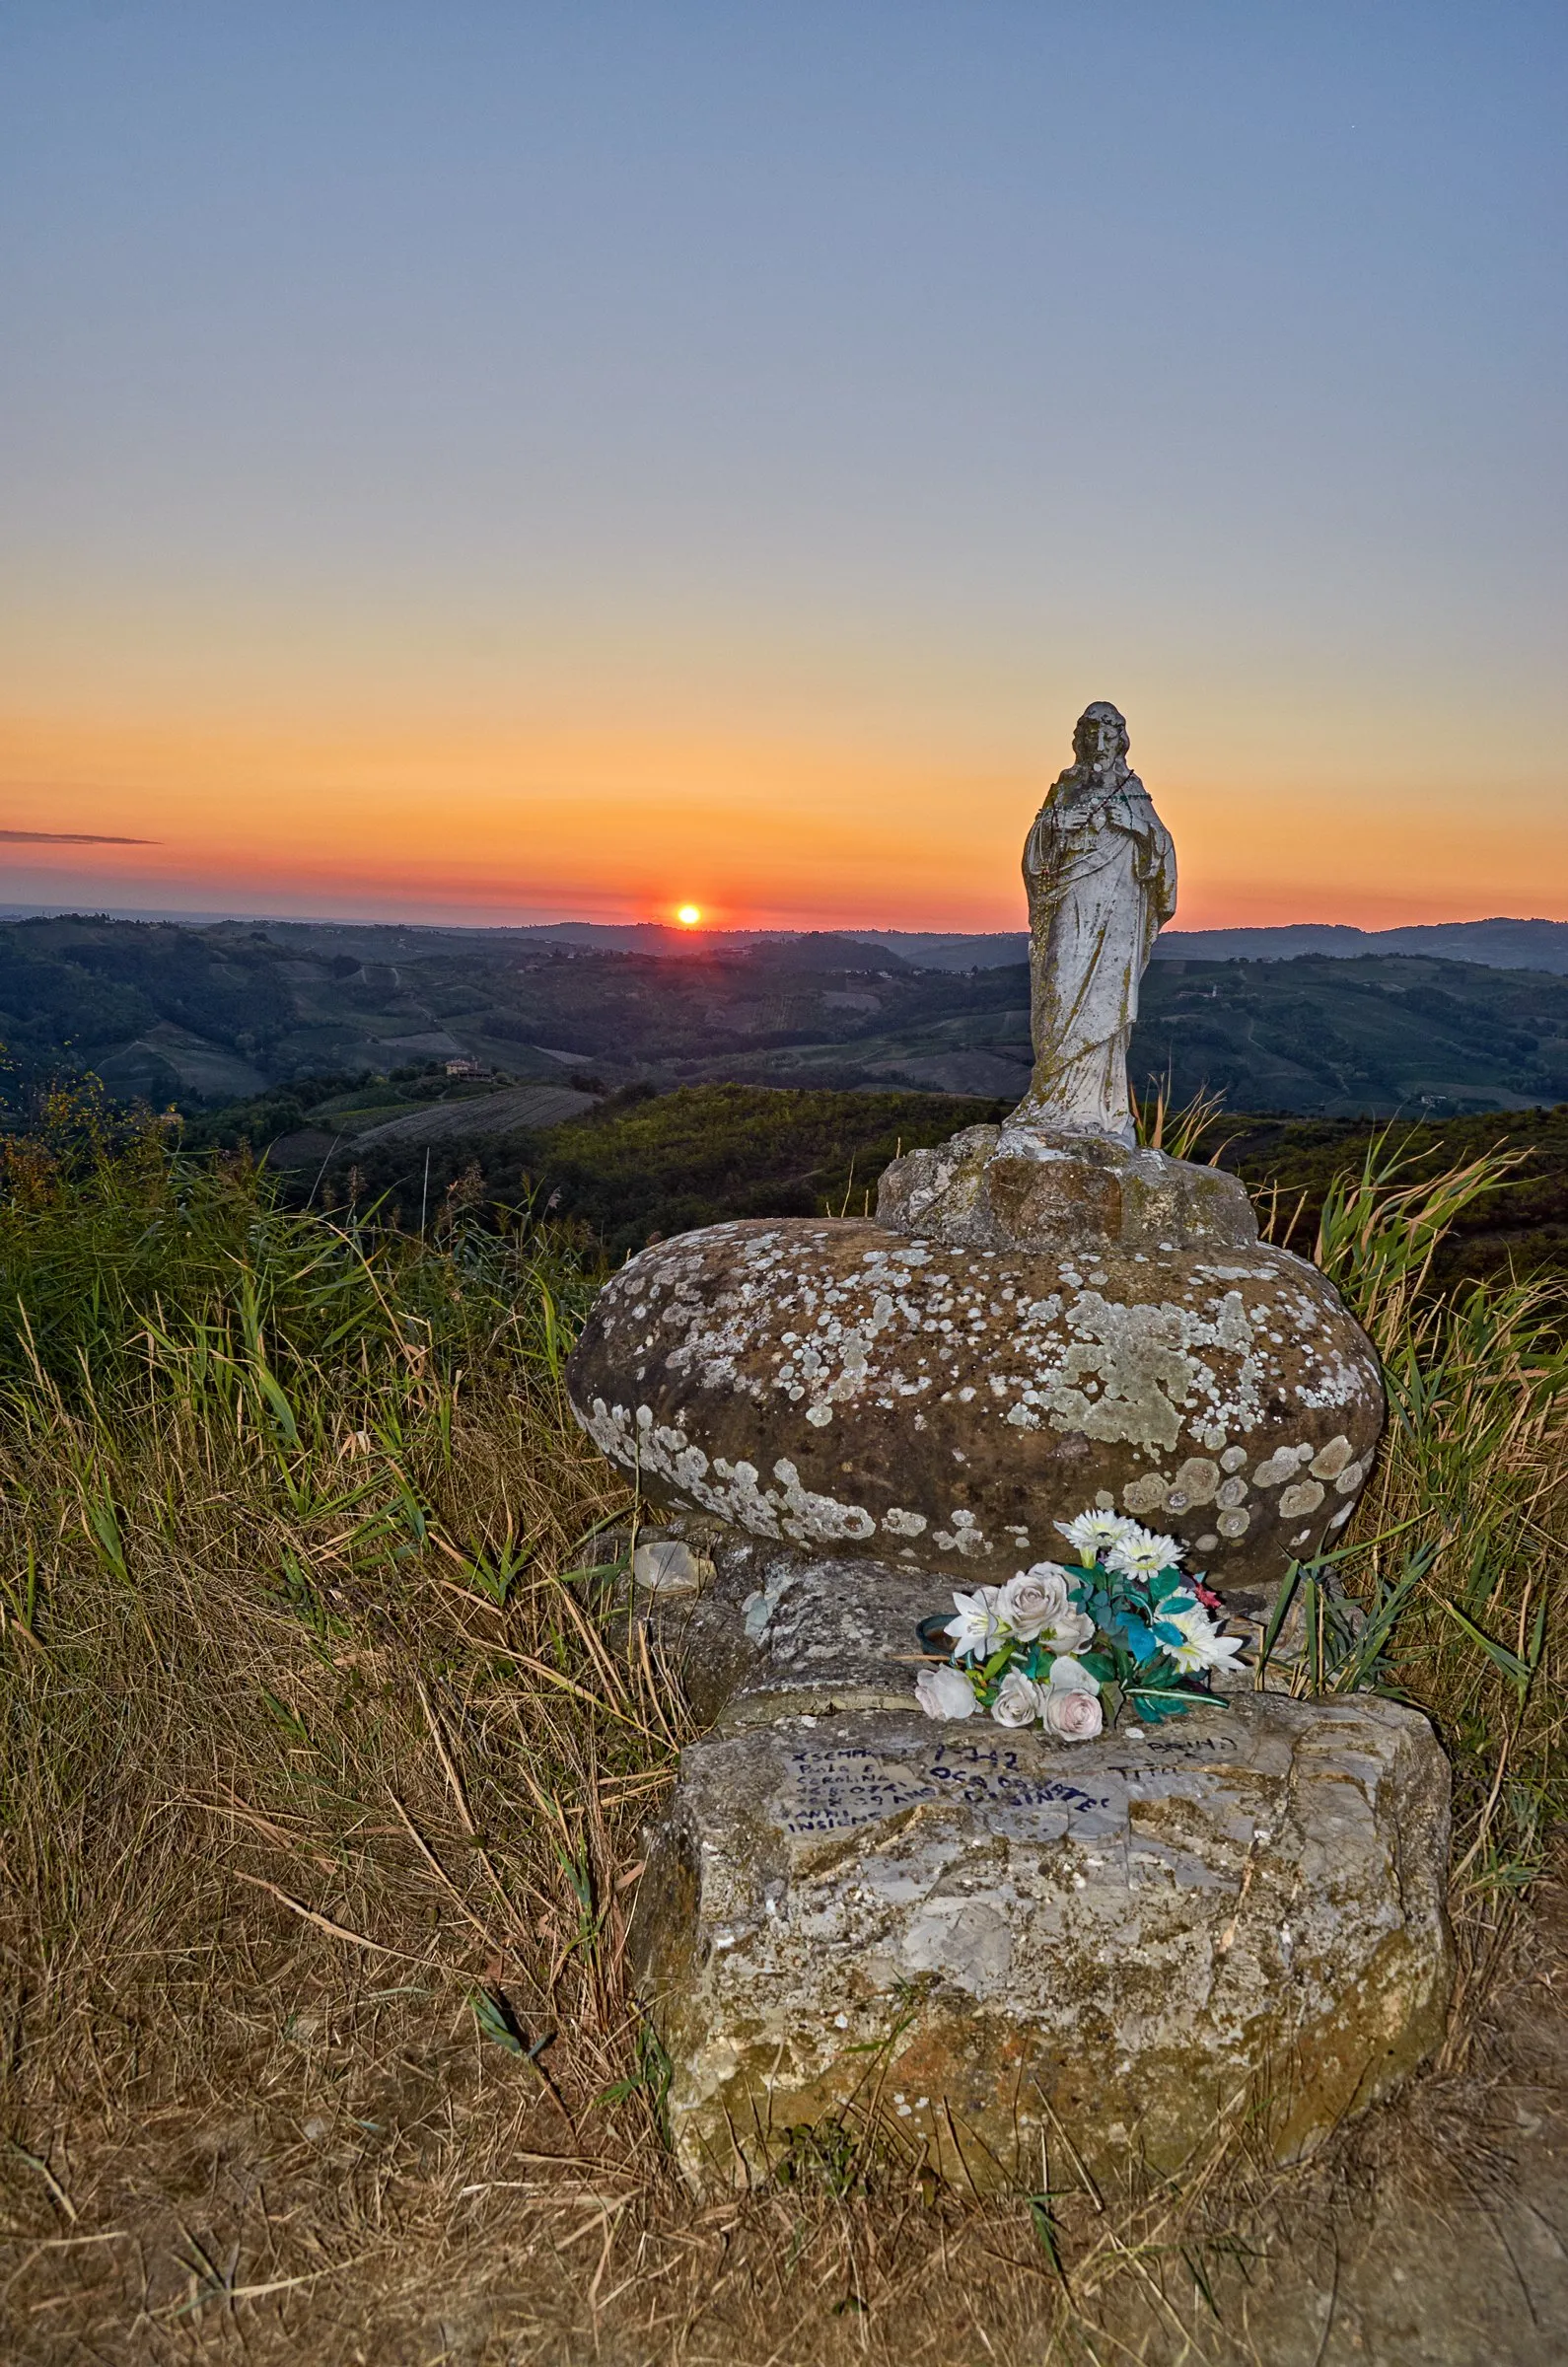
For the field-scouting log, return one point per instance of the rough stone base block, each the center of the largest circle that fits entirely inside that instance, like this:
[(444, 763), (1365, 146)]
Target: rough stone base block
[(988, 1942)]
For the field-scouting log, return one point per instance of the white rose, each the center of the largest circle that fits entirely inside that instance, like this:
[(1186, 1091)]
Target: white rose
[(945, 1692), (1072, 1631), (1071, 1715), (1019, 1700), (1034, 1600)]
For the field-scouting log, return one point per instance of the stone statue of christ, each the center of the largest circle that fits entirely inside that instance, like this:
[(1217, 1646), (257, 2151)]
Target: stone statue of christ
[(1100, 873)]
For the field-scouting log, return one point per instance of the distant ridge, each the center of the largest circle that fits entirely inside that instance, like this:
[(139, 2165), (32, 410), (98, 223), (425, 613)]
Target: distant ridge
[(1498, 944), (1494, 944)]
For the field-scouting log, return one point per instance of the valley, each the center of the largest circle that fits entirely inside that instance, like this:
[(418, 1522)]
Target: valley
[(199, 1016)]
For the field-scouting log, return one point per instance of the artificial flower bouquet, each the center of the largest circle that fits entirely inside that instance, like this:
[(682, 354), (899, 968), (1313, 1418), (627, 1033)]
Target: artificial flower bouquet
[(1043, 1646)]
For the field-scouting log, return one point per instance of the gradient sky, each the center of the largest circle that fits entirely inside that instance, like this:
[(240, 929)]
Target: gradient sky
[(505, 461)]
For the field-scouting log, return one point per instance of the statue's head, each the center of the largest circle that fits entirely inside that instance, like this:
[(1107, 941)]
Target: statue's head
[(1099, 735)]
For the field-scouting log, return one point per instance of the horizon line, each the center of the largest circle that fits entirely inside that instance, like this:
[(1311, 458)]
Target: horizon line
[(181, 916)]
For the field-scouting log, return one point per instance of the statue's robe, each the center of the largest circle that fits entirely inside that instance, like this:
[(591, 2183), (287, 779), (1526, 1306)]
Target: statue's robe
[(1099, 868)]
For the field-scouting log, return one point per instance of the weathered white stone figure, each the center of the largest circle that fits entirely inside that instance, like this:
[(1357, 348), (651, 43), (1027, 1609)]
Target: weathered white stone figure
[(1100, 873)]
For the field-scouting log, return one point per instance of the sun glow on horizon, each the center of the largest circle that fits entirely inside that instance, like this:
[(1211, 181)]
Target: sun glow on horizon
[(545, 821)]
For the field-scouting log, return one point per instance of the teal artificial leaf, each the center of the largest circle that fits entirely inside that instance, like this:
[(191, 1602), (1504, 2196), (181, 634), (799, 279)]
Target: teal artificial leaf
[(1140, 1643), (1154, 1706)]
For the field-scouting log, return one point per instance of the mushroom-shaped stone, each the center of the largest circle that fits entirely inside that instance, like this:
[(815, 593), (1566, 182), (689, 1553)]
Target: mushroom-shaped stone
[(833, 1384)]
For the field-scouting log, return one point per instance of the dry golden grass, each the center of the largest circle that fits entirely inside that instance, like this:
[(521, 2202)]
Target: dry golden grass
[(321, 1794)]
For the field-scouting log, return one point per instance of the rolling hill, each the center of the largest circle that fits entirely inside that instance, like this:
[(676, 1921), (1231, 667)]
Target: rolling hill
[(201, 1017)]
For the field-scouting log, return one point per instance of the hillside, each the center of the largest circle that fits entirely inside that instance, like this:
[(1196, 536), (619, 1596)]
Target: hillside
[(1366, 1036), (629, 1168), (633, 1164), (208, 1016)]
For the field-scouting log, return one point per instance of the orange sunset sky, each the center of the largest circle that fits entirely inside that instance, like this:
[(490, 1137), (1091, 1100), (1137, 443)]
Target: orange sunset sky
[(514, 466), (797, 828)]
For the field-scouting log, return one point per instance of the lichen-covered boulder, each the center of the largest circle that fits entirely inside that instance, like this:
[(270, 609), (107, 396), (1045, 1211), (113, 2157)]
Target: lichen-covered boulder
[(982, 1940), (838, 1384)]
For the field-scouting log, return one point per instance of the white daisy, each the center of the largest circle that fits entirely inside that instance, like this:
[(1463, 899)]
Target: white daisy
[(1140, 1553), (1204, 1646), (1092, 1532)]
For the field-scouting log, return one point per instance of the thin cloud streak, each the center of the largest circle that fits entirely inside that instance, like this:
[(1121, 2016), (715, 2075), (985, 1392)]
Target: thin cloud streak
[(70, 838)]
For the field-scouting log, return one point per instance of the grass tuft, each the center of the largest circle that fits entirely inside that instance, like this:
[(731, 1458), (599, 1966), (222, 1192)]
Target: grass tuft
[(321, 1786)]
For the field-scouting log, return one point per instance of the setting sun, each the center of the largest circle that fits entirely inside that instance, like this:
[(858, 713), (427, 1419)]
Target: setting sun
[(689, 915)]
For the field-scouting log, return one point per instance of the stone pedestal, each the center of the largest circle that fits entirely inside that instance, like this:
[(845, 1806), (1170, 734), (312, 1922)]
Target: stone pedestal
[(1027, 1186), (982, 1941), (973, 1936)]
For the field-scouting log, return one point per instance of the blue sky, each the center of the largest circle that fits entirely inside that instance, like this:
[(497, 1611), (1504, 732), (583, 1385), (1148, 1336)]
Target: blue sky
[(447, 424)]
